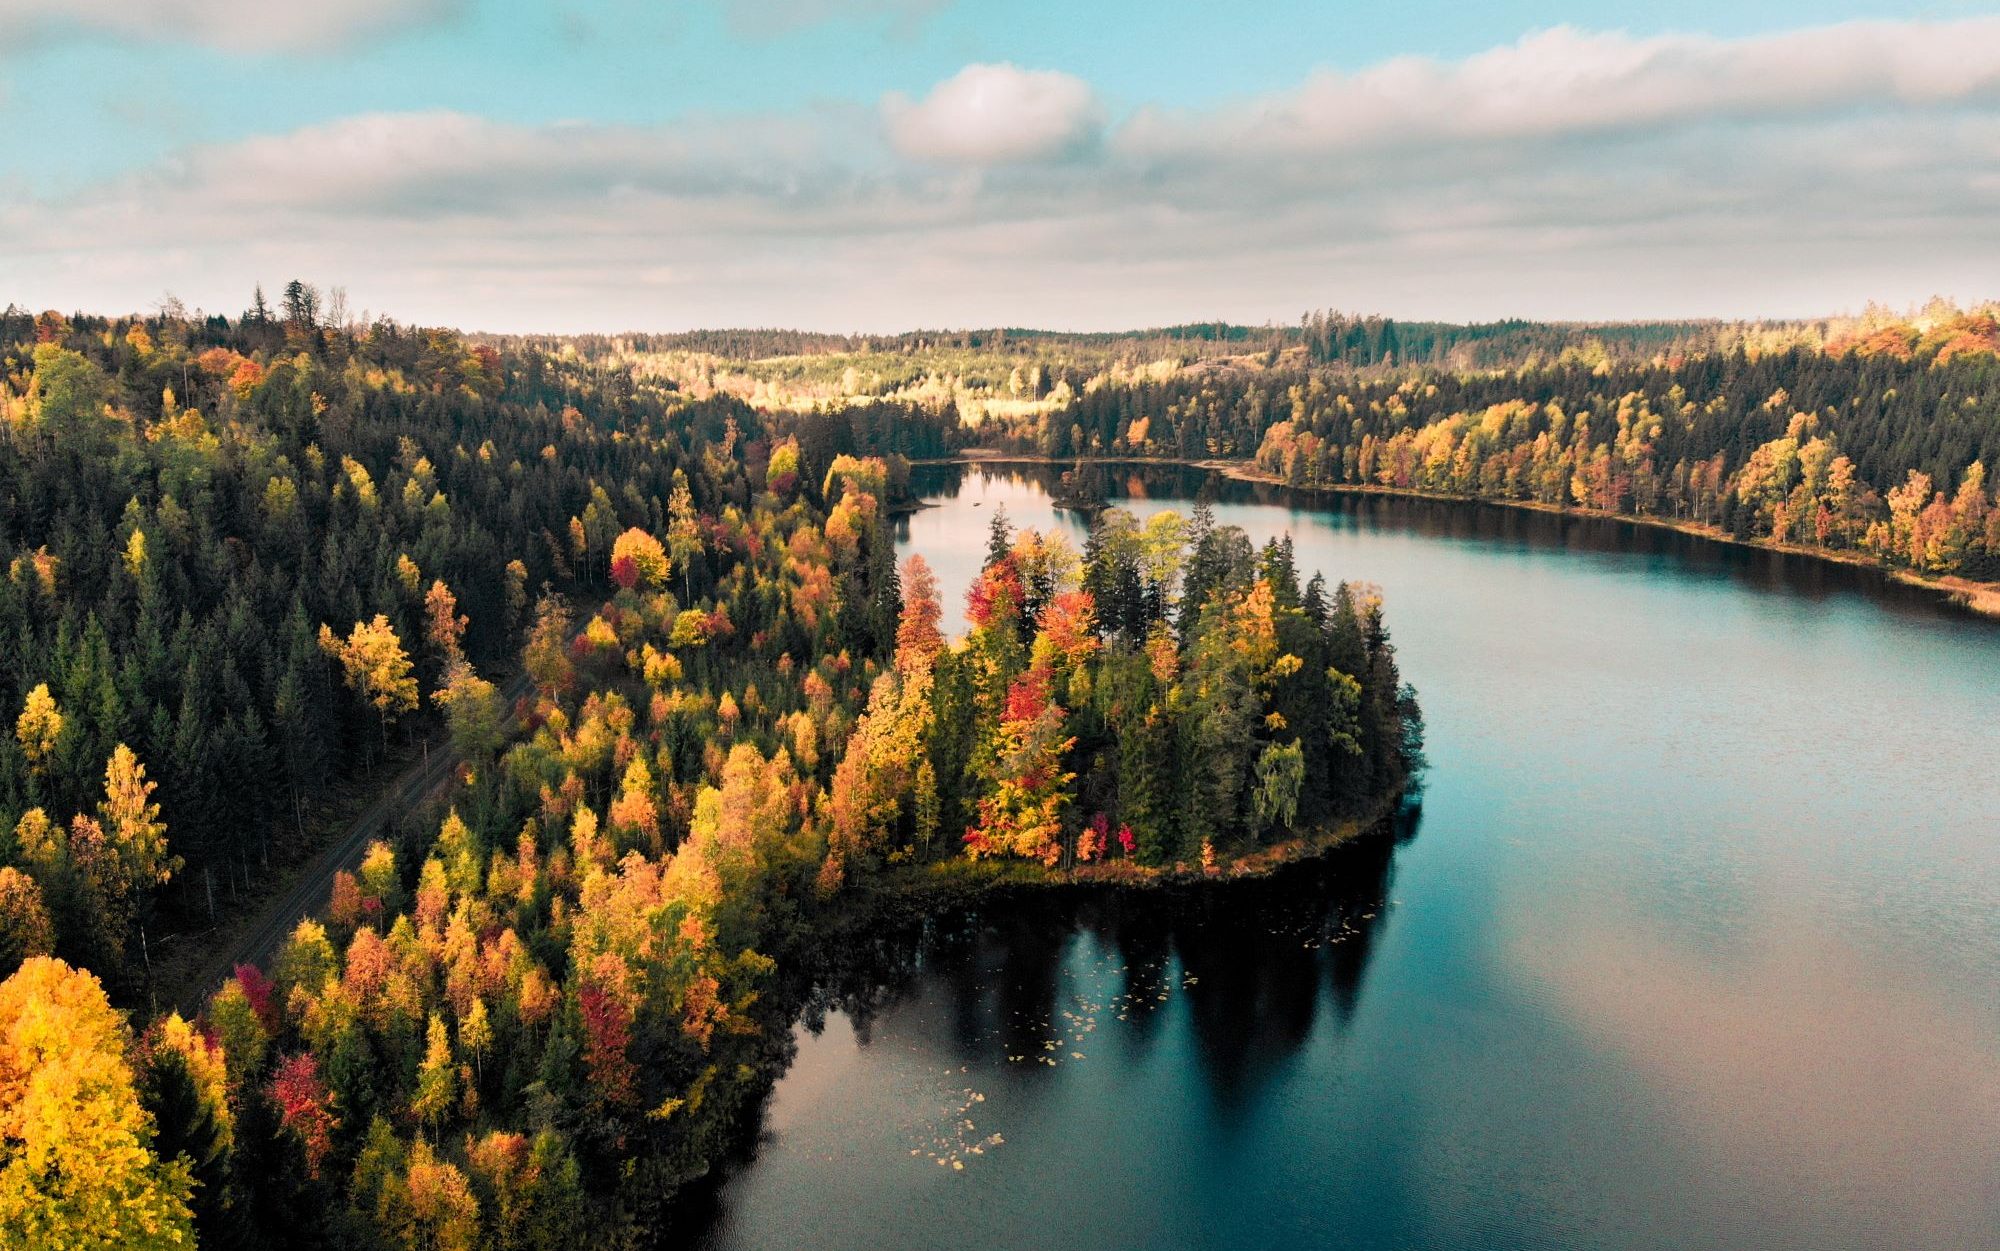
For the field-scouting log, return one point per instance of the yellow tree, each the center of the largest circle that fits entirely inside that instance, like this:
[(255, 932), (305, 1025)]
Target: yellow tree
[(135, 555), (184, 1083), (444, 625), (874, 777), (473, 710), (637, 557), (206, 1064), (782, 473), (39, 726), (376, 666), (77, 1169), (683, 530), (918, 639), (109, 895), (436, 1092), (131, 820), (546, 656), (634, 812), (431, 1207), (475, 1033)]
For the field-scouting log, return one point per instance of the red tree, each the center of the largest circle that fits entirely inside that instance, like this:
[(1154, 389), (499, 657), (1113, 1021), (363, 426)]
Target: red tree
[(607, 1029), (305, 1106), (918, 640), (625, 572), (257, 989), (996, 595)]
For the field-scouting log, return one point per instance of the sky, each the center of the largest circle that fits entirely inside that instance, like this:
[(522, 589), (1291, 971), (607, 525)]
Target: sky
[(877, 165)]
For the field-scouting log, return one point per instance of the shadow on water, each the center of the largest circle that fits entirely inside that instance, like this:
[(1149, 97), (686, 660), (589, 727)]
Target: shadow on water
[(1258, 961), (1268, 959), (1260, 964)]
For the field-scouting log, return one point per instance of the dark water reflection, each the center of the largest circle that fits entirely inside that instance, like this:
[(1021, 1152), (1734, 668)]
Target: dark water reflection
[(1006, 1018), (1270, 956), (1697, 946)]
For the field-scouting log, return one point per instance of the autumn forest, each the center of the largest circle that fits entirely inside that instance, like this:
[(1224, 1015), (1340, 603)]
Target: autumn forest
[(630, 612), (696, 714)]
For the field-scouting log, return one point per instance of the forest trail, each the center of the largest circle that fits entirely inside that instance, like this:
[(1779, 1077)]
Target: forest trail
[(257, 941)]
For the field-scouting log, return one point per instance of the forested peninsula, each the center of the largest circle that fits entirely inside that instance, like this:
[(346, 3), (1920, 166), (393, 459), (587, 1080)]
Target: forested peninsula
[(636, 599), (253, 565)]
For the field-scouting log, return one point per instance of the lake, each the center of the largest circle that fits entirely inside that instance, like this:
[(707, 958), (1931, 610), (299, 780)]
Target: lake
[(1694, 942)]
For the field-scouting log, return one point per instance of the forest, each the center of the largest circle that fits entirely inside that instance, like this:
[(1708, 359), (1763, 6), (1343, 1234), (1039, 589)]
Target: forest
[(702, 718), (1874, 438), (1866, 436)]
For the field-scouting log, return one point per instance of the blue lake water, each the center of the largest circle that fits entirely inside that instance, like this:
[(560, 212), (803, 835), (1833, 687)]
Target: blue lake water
[(1695, 943)]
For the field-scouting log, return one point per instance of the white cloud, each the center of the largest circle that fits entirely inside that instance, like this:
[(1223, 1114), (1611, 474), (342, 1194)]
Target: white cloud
[(991, 114), (1568, 82), (229, 25), (1646, 177), (413, 167)]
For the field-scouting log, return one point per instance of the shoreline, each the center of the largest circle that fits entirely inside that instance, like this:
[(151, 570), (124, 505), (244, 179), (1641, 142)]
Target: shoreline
[(917, 892), (1982, 598)]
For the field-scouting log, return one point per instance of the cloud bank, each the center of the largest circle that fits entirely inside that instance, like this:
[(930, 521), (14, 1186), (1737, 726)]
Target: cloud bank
[(1568, 174), (1567, 81)]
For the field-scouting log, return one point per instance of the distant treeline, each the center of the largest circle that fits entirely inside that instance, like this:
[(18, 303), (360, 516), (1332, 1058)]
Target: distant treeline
[(1333, 338), (1878, 441), (764, 344), (1326, 337)]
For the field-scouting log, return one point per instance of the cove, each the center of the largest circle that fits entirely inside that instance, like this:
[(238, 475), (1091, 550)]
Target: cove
[(1693, 943)]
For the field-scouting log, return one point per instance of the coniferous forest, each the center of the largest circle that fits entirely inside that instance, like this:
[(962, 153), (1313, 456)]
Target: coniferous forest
[(697, 718)]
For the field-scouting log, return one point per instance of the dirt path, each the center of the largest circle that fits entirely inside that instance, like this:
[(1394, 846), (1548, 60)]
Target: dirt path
[(257, 939)]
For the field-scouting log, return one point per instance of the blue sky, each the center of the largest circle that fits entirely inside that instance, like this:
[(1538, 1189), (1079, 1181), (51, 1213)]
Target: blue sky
[(871, 164)]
